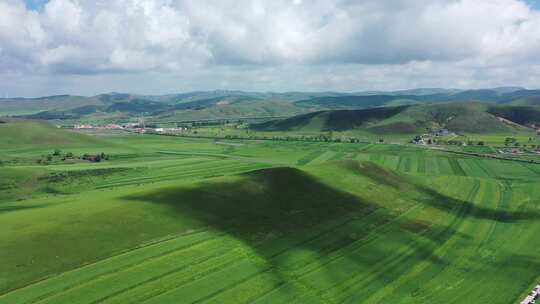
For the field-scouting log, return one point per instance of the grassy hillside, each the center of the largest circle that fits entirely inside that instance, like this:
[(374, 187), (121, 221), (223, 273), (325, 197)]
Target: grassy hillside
[(337, 120), (344, 102), (227, 108), (22, 106), (529, 101), (30, 133), (457, 117)]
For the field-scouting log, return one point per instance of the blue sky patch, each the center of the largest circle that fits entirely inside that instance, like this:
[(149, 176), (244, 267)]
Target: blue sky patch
[(36, 4)]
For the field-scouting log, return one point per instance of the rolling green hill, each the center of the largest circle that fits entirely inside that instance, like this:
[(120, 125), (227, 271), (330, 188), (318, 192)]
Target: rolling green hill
[(529, 101), (457, 117), (344, 102), (230, 108), (30, 133), (337, 120), (24, 106)]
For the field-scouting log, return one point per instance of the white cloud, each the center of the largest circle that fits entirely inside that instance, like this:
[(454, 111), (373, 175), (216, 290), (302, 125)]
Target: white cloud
[(201, 38)]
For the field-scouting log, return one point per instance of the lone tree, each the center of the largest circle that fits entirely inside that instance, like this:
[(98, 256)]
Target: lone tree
[(57, 152)]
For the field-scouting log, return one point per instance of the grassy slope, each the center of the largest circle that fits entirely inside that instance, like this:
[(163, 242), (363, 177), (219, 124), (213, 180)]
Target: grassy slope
[(418, 227), (337, 120), (232, 109), (26, 141), (20, 133), (34, 105), (529, 101), (457, 117)]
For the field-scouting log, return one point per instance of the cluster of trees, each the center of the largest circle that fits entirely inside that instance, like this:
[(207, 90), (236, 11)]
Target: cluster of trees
[(460, 143), (319, 138), (512, 142), (472, 143), (95, 158), (215, 122), (210, 123), (316, 138), (57, 154), (430, 141)]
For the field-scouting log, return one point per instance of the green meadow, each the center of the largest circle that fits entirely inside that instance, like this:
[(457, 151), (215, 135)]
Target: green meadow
[(191, 220)]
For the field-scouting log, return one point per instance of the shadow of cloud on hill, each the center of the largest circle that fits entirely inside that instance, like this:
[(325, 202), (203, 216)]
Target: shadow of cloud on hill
[(268, 208), (270, 201)]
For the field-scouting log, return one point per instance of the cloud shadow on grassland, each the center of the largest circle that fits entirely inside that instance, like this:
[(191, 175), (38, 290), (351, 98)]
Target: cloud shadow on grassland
[(270, 207)]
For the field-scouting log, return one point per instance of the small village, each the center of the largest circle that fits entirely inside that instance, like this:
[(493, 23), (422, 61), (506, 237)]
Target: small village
[(131, 127), (441, 137)]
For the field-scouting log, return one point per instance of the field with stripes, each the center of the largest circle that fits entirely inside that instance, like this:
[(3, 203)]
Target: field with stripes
[(178, 220)]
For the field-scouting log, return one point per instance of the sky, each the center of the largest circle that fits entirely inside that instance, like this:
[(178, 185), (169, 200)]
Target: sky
[(87, 47)]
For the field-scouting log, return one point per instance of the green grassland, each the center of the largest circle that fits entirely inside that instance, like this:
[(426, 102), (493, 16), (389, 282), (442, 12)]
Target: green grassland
[(193, 220)]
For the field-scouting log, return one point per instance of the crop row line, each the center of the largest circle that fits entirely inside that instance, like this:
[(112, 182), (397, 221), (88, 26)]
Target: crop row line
[(146, 246), (136, 263), (200, 260)]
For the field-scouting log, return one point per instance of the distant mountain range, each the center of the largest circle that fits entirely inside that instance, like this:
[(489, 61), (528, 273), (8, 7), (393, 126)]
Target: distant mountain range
[(224, 104)]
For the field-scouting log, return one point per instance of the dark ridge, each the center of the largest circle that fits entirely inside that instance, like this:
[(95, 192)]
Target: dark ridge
[(337, 120), (523, 115), (205, 103), (84, 110), (137, 106), (51, 115), (396, 127), (114, 97), (341, 120), (287, 123), (349, 101)]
